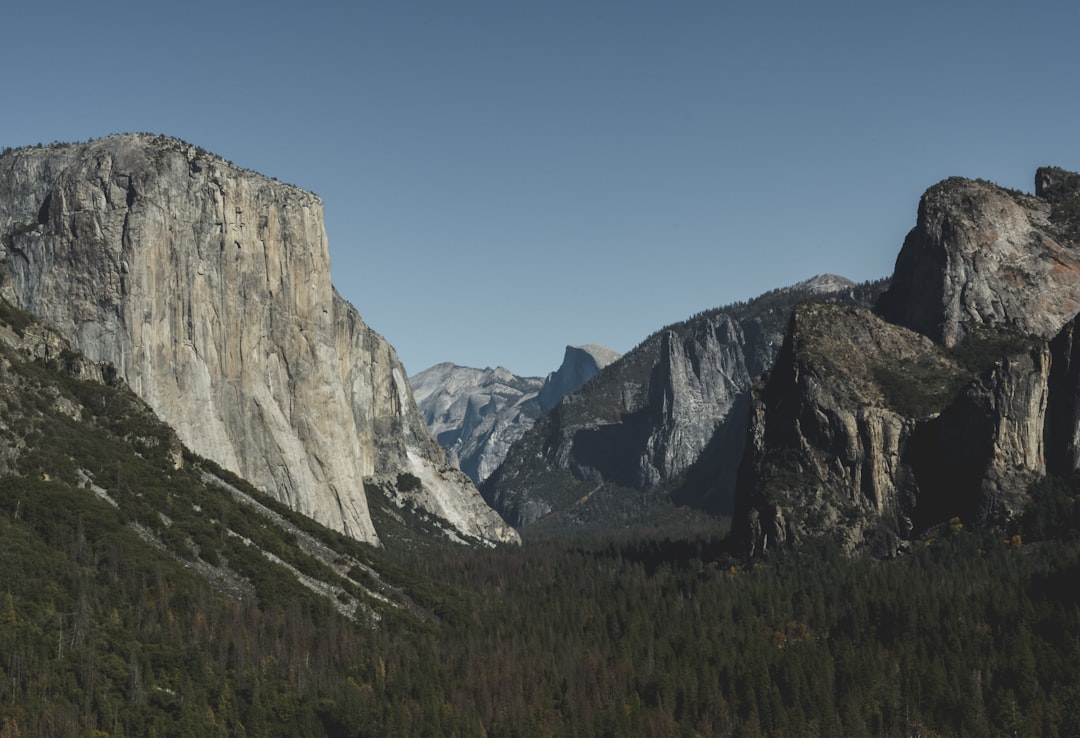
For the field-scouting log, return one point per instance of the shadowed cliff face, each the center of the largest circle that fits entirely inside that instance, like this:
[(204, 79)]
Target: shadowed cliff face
[(208, 287), (664, 425), (872, 431)]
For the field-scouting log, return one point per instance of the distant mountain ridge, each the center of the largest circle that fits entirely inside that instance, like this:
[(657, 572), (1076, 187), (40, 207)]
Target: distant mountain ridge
[(662, 425), (477, 414), (579, 365)]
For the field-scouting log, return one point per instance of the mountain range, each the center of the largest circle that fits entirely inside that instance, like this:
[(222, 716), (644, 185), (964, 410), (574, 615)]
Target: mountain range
[(476, 414), (950, 400), (869, 413), (662, 426), (222, 513)]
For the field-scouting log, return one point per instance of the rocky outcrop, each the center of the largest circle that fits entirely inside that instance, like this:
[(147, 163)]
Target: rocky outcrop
[(824, 444), (208, 288), (977, 459), (476, 414), (1062, 441), (873, 431), (579, 365), (663, 425), (662, 428), (981, 256)]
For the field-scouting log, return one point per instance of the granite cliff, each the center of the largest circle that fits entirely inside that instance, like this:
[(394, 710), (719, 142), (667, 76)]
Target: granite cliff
[(664, 424), (946, 403), (207, 287), (981, 256)]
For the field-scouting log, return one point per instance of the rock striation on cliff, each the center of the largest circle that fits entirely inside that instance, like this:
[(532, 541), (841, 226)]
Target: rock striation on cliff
[(949, 402), (664, 424), (981, 256), (208, 288)]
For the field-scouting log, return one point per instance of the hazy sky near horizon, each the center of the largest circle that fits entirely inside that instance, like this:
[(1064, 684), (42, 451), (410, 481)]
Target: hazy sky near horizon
[(502, 179)]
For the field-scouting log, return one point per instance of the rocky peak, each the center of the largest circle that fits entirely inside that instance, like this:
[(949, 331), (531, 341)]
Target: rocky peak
[(828, 428), (1056, 185), (824, 284), (579, 365), (984, 256), (1062, 190), (477, 414), (208, 288)]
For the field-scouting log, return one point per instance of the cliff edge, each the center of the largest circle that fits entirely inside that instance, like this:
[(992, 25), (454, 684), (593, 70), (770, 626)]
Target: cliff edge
[(208, 288)]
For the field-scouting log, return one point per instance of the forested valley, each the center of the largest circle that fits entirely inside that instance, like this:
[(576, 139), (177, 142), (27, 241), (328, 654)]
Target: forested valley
[(148, 593), (664, 634)]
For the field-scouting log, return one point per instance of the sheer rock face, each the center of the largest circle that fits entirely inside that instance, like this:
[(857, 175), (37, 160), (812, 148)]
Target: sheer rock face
[(978, 458), (825, 448), (983, 256), (641, 423), (208, 287), (1062, 441), (663, 425), (696, 385), (872, 430)]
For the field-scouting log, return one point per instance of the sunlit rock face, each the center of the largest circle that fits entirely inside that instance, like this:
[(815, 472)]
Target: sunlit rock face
[(981, 256), (208, 287), (579, 365), (476, 414)]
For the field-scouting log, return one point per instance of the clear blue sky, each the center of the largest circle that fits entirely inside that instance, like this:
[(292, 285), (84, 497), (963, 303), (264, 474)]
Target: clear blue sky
[(505, 178)]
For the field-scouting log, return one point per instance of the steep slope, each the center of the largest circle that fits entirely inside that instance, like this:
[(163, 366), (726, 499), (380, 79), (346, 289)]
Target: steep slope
[(208, 288), (159, 590), (477, 414), (873, 431), (664, 423)]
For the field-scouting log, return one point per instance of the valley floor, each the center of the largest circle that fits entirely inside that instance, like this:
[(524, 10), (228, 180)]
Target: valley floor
[(973, 634)]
